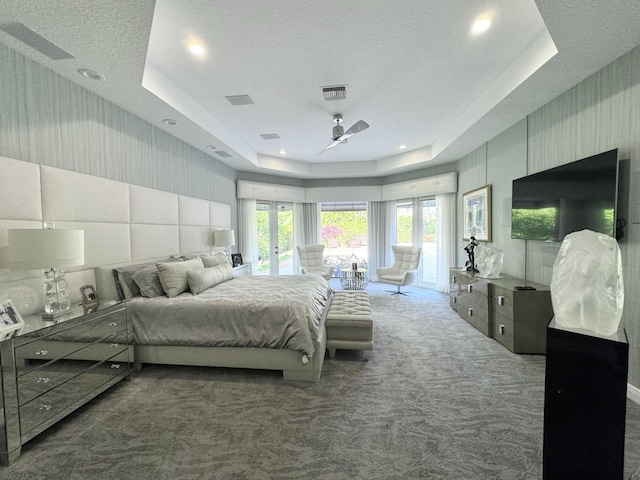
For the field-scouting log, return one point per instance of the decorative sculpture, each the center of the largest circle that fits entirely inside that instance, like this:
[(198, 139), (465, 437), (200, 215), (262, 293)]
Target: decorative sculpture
[(470, 249), (587, 288), (489, 261)]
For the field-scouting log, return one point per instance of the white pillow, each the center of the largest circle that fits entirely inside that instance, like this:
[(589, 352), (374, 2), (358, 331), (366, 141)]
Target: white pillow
[(173, 276), (214, 260), (203, 278)]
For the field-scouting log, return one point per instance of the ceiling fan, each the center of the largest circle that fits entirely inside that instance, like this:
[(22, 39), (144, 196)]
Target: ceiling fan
[(339, 135)]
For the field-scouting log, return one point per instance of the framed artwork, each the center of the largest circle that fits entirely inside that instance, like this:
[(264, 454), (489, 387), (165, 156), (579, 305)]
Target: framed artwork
[(10, 320), (236, 259), (476, 211)]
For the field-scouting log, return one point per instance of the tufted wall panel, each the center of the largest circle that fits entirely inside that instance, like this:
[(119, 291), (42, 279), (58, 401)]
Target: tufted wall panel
[(122, 223)]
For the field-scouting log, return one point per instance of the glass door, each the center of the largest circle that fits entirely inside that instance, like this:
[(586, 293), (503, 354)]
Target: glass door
[(274, 234), (429, 243), (416, 225)]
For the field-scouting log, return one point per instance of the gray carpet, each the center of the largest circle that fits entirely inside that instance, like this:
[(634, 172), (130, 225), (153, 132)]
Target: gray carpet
[(436, 400)]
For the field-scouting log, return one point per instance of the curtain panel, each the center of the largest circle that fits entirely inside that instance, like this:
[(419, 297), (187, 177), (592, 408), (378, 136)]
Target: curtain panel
[(446, 239), (248, 246), (306, 228), (381, 233)]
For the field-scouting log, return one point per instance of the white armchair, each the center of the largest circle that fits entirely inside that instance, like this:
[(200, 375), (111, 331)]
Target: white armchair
[(404, 270), (311, 261)]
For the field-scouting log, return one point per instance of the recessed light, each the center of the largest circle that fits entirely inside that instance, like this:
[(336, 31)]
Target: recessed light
[(211, 147), (480, 25), (90, 74), (196, 49), (169, 121), (283, 152), (402, 147)]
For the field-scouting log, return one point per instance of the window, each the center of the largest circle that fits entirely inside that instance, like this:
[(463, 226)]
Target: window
[(344, 233)]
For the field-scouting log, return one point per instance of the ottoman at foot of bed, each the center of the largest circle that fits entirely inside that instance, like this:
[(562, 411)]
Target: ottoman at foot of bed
[(349, 323)]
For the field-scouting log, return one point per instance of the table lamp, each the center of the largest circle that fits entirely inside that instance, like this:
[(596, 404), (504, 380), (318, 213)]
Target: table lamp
[(48, 249), (224, 238)]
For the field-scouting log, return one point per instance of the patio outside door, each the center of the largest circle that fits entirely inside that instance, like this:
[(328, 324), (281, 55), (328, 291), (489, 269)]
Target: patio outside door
[(274, 222)]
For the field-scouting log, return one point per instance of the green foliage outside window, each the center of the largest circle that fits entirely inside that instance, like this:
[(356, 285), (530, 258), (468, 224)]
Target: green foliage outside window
[(347, 224)]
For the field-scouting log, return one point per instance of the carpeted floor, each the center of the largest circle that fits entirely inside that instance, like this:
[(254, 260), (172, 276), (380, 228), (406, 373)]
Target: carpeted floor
[(436, 400)]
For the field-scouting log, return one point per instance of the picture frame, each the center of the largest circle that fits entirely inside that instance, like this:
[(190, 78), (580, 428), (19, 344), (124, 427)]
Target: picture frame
[(236, 259), (476, 214), (89, 294), (11, 322), (90, 299)]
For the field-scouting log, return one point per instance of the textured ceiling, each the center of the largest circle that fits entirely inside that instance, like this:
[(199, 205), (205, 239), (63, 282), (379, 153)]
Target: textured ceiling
[(412, 69)]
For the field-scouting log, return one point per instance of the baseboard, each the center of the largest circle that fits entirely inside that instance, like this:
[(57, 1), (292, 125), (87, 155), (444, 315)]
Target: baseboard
[(633, 393)]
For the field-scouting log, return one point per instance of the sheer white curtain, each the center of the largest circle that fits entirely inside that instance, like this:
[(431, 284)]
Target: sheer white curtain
[(381, 235), (446, 239), (306, 228), (248, 246)]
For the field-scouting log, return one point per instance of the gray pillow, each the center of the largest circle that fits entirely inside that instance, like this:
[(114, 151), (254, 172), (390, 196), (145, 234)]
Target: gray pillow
[(148, 281), (203, 278), (173, 276), (124, 275), (214, 260)]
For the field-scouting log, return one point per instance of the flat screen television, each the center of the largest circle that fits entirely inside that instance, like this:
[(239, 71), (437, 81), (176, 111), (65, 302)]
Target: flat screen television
[(575, 196)]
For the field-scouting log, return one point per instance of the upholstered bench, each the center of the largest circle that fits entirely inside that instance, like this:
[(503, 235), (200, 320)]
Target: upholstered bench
[(349, 323)]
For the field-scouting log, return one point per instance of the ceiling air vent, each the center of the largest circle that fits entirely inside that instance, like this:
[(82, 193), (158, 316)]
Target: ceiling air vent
[(334, 93), (270, 136), (239, 100), (222, 153)]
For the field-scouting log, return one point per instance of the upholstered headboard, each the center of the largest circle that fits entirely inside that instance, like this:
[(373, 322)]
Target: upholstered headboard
[(122, 223)]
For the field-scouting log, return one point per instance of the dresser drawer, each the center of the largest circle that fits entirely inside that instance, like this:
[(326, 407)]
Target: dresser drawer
[(54, 402), (500, 306), (50, 375), (503, 330), (473, 306)]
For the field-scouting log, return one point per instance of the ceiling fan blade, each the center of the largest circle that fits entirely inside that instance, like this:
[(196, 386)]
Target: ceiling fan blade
[(357, 127), (332, 144)]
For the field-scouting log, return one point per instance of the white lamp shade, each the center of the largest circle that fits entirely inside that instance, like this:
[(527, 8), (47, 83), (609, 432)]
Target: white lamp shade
[(224, 238), (31, 249)]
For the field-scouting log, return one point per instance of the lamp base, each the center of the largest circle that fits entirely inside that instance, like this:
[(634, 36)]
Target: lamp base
[(53, 316)]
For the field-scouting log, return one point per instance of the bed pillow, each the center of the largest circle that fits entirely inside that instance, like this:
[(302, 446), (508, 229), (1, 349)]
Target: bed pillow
[(148, 281), (214, 260), (203, 278), (126, 286), (173, 276)]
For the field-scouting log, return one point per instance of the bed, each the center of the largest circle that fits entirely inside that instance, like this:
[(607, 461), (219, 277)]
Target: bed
[(255, 322)]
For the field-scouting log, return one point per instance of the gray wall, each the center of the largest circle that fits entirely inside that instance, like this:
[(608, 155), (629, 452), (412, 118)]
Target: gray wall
[(46, 119), (599, 114)]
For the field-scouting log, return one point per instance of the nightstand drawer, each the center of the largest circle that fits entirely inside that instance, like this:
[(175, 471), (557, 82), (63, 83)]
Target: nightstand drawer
[(49, 375), (50, 348), (54, 402)]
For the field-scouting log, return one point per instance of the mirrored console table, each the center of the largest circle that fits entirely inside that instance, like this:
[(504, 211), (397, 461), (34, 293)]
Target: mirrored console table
[(51, 368)]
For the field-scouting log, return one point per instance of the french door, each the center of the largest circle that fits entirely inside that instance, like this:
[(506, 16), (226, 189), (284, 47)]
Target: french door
[(416, 225), (274, 234)]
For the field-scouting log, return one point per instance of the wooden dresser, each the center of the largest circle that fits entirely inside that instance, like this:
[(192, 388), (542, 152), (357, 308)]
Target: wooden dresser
[(516, 318)]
